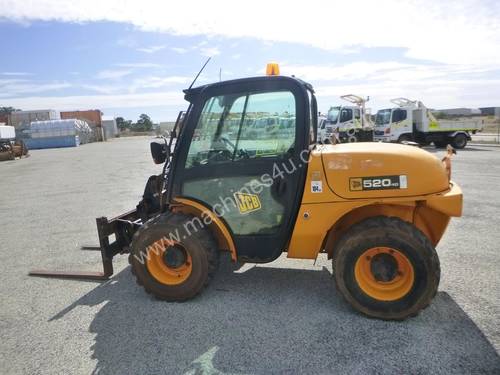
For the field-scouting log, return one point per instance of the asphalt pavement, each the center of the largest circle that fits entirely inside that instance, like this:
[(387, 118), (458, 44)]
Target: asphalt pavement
[(280, 318)]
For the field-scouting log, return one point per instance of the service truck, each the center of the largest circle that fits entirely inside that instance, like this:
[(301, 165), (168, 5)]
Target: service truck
[(347, 123), (412, 121)]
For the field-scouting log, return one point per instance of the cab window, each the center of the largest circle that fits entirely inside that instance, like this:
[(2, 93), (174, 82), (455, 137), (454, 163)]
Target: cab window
[(345, 115), (398, 115), (243, 126)]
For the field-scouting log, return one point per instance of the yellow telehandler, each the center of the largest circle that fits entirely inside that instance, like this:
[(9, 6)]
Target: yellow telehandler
[(246, 176)]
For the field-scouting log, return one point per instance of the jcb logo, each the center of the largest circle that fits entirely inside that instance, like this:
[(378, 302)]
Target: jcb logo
[(356, 184), (247, 202)]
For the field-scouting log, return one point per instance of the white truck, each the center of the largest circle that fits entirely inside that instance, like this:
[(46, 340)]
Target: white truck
[(412, 121), (347, 123)]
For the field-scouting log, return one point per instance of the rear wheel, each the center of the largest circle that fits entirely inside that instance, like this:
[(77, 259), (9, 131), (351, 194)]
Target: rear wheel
[(171, 263), (440, 144), (459, 141), (386, 268)]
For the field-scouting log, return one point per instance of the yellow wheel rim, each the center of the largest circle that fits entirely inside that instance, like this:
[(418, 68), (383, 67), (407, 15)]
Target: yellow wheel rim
[(159, 267), (384, 273)]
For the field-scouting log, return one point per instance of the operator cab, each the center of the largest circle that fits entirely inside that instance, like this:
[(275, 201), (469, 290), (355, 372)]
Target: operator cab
[(240, 155)]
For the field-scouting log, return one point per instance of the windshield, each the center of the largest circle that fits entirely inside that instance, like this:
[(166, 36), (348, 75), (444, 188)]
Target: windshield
[(333, 114), (383, 117)]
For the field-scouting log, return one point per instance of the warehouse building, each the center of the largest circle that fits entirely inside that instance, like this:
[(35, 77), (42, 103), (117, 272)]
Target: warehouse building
[(490, 111)]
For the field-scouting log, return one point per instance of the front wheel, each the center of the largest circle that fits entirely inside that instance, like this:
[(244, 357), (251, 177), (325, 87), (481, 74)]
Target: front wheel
[(405, 138), (386, 268), (172, 258)]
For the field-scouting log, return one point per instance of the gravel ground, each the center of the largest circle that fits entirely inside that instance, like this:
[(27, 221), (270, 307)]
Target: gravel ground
[(283, 317)]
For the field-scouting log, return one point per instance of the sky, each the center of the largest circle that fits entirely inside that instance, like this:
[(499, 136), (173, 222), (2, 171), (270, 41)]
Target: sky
[(131, 57)]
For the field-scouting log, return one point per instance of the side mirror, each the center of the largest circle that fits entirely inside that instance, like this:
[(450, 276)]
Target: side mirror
[(172, 134), (159, 152)]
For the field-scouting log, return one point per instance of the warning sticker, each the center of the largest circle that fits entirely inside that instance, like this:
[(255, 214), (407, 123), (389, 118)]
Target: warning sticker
[(316, 186)]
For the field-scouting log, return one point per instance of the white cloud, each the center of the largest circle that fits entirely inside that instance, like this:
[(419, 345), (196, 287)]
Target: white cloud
[(438, 85), (449, 31), (209, 51), (383, 70), (14, 87), (112, 74), (456, 41), (162, 81), (351, 71), (98, 101), (151, 49), (137, 84), (435, 93), (103, 89), (138, 65), (201, 47), (180, 50), (16, 74)]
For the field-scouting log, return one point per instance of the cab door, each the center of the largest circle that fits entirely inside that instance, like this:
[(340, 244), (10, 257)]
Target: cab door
[(345, 120), (241, 158), (398, 122)]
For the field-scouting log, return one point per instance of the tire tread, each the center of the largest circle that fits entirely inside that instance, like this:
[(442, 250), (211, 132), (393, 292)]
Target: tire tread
[(204, 236), (407, 229)]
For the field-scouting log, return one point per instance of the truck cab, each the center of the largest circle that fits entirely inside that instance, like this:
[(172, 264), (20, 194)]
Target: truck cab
[(394, 124), (352, 123), (412, 121), (326, 130)]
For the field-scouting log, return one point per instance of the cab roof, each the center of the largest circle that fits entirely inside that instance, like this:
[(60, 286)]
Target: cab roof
[(192, 93)]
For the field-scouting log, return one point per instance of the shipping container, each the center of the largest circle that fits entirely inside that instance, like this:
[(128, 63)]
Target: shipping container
[(22, 119)]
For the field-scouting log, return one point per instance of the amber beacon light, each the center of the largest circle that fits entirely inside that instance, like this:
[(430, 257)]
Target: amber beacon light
[(272, 69)]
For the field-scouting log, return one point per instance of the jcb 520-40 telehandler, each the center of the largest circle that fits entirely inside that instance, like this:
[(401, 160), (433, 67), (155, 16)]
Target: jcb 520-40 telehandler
[(243, 174)]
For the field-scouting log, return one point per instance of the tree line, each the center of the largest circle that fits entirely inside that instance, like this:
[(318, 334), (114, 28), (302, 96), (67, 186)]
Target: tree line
[(143, 124)]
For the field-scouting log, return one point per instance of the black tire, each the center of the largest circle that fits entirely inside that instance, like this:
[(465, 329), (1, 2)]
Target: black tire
[(199, 244), (405, 138), (440, 144), (459, 141), (353, 138), (391, 232)]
